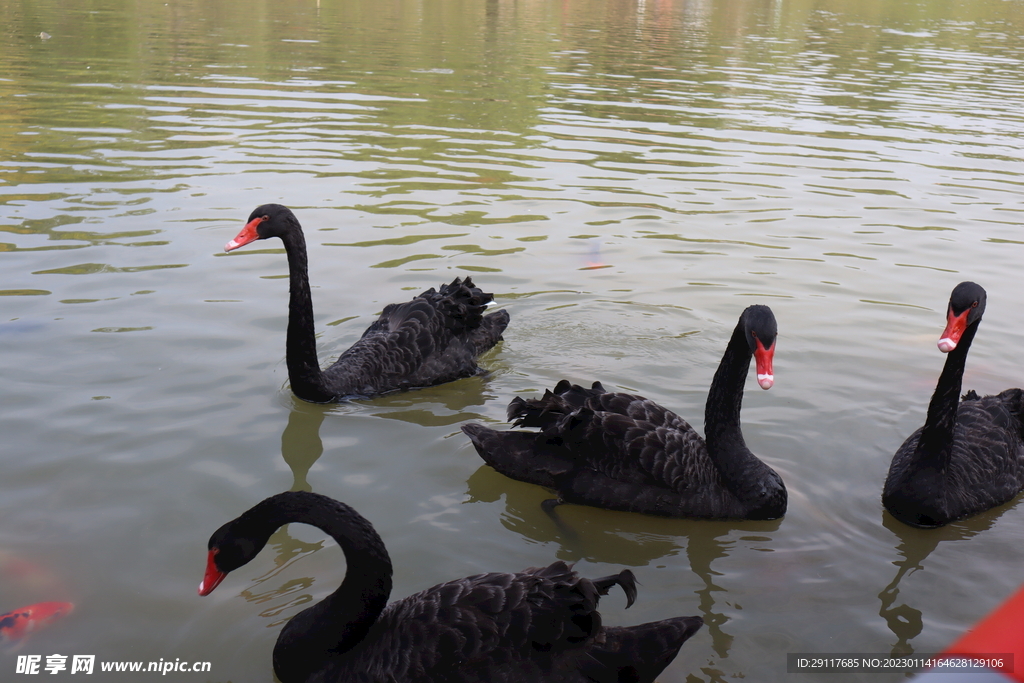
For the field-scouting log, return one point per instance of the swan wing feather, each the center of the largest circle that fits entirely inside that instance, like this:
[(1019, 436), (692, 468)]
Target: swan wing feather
[(433, 338), (537, 624), (986, 466)]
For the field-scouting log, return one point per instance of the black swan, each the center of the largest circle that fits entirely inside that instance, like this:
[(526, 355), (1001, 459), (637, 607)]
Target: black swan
[(537, 625), (625, 452), (434, 338), (969, 455)]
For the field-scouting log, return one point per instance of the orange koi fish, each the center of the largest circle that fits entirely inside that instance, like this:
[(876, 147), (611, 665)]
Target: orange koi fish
[(21, 623)]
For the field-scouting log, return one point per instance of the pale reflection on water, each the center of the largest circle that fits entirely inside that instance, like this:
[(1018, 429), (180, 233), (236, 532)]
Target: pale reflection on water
[(625, 177)]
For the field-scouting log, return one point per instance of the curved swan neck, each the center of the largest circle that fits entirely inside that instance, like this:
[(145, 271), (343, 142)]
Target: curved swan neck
[(304, 372), (725, 398), (340, 621), (936, 442)]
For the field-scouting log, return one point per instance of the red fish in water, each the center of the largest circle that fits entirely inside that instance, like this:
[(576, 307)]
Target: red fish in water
[(20, 623)]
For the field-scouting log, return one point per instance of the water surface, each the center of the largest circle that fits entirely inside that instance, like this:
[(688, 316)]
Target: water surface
[(626, 177)]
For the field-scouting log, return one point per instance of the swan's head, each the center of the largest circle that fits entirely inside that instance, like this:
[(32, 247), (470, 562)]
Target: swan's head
[(760, 329), (966, 306), (269, 220), (230, 547)]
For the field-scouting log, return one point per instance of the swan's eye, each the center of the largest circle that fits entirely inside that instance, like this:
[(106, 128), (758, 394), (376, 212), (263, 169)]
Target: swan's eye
[(974, 305)]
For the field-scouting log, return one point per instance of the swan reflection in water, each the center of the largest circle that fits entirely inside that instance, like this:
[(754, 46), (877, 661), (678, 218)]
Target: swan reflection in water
[(629, 539), (915, 545), (302, 443), (450, 404)]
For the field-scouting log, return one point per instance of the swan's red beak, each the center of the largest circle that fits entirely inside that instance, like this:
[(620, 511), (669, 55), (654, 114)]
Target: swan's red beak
[(213, 576), (248, 234), (763, 359), (955, 326)]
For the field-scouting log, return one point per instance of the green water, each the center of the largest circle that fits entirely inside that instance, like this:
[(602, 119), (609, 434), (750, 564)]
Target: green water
[(625, 177)]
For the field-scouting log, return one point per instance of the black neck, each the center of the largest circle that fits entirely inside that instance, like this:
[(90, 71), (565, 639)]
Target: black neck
[(936, 443), (304, 372), (340, 621), (722, 414)]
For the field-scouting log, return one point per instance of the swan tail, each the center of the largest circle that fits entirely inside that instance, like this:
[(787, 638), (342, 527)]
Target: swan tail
[(519, 455), (553, 406), (461, 303), (576, 599), (638, 653), (488, 333), (625, 578), (536, 412)]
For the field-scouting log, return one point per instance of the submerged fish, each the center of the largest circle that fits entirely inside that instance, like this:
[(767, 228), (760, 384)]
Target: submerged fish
[(18, 624)]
